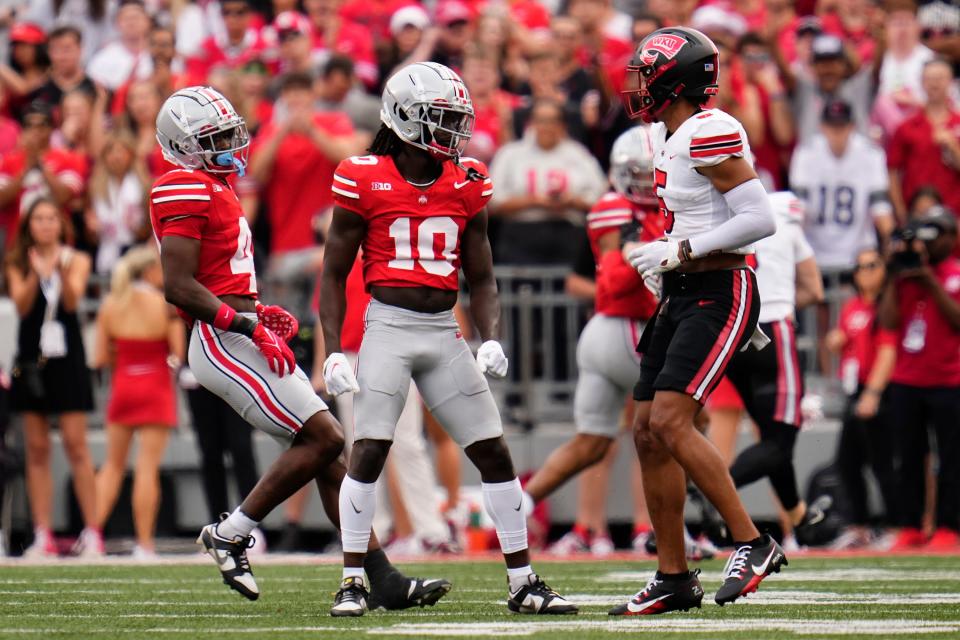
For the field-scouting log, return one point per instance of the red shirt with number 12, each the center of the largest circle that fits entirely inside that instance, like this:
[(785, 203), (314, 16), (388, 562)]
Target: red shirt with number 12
[(413, 234)]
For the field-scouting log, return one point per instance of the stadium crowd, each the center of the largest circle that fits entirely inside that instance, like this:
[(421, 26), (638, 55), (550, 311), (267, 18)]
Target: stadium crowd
[(851, 104)]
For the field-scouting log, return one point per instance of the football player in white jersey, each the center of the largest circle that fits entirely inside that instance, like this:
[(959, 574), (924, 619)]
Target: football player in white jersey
[(714, 208), (770, 381)]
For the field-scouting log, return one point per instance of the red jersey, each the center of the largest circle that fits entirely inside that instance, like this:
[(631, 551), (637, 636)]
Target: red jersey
[(858, 322), (928, 353), (413, 234), (197, 205), (298, 187), (620, 289), (68, 166), (920, 160), (354, 41)]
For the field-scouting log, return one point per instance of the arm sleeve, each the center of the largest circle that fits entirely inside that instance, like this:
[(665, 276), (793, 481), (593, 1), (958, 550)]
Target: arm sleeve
[(346, 186), (752, 220), (180, 206), (715, 139)]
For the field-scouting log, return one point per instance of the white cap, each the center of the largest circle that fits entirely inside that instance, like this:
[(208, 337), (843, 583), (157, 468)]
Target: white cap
[(714, 18), (408, 16)]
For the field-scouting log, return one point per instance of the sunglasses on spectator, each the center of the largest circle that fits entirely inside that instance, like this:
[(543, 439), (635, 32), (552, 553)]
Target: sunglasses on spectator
[(288, 34), (756, 58), (868, 266), (226, 13)]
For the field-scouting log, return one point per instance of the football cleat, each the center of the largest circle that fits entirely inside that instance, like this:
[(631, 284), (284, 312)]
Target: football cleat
[(408, 592), (571, 543), (537, 598), (231, 559), (351, 599), (748, 566), (601, 546), (810, 531), (662, 596)]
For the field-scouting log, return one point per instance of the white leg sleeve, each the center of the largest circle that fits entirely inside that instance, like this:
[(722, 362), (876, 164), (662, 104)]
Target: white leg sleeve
[(418, 484), (357, 506), (504, 502)]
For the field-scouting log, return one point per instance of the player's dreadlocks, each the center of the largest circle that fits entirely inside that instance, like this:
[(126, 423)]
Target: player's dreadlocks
[(385, 143)]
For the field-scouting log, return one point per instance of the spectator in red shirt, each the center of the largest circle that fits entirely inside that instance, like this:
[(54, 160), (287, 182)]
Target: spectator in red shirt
[(867, 356), (9, 131), (334, 35), (28, 67), (921, 303), (293, 161), (295, 47), (454, 19), (925, 150), (240, 42), (492, 108), (36, 170)]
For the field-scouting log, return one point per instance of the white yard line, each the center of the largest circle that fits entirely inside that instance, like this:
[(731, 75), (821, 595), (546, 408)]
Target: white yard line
[(811, 575)]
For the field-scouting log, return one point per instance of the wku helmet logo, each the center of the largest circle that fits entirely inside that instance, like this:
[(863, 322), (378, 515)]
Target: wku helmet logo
[(667, 45)]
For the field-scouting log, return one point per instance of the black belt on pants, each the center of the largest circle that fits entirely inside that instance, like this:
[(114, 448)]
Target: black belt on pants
[(676, 283)]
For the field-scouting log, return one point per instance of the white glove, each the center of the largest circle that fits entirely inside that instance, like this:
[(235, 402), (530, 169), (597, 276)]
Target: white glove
[(491, 359), (654, 284), (338, 375), (656, 257)]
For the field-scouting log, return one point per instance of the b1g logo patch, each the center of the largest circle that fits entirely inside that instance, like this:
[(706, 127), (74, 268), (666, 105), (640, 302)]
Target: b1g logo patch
[(667, 45)]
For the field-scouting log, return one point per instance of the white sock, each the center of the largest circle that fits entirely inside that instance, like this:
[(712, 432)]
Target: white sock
[(353, 572), (357, 506), (519, 577), (504, 502), (528, 504), (237, 525)]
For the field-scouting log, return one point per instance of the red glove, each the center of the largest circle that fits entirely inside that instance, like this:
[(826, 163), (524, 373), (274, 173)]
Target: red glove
[(278, 320), (277, 353)]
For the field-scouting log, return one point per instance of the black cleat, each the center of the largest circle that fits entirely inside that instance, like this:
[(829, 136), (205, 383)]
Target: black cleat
[(748, 566), (536, 597), (408, 592), (812, 530), (231, 558), (662, 596), (351, 599)]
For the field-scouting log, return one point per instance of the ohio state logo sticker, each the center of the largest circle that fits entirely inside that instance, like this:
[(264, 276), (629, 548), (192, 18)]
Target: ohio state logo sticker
[(667, 45)]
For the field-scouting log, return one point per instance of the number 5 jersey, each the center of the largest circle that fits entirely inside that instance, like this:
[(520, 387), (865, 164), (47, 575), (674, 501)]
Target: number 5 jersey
[(196, 205), (413, 234), (688, 200)]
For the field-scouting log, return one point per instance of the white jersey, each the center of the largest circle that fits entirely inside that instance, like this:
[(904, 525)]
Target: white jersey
[(777, 258), (688, 200), (843, 197)]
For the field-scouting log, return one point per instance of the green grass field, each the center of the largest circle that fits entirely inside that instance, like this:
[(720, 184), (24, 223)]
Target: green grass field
[(814, 598)]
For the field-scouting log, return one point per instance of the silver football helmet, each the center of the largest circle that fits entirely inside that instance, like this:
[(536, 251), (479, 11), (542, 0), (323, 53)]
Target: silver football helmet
[(631, 165), (198, 128), (428, 106)]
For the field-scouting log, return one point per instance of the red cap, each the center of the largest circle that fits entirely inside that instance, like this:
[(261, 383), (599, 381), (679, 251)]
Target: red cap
[(27, 32), (450, 11), (291, 21)]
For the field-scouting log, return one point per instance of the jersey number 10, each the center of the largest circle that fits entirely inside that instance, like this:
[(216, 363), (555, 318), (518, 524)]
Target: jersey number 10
[(425, 232)]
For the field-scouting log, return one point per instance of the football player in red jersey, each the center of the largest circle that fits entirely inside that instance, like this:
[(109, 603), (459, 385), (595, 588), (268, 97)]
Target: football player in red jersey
[(238, 346), (607, 363), (419, 211)]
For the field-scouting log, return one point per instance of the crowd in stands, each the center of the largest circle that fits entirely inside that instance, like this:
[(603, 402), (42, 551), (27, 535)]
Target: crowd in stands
[(852, 104)]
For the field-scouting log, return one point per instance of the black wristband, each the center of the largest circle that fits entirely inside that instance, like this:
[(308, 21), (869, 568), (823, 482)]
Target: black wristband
[(243, 325)]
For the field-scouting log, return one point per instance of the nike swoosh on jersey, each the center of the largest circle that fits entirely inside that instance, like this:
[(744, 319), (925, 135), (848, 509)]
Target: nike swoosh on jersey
[(637, 608), (461, 185), (762, 569)]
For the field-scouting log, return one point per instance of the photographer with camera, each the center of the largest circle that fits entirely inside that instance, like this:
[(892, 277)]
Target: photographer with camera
[(921, 304)]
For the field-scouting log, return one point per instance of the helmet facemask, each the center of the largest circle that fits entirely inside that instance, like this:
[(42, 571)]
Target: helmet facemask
[(225, 150), (634, 182), (637, 96), (444, 129)]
